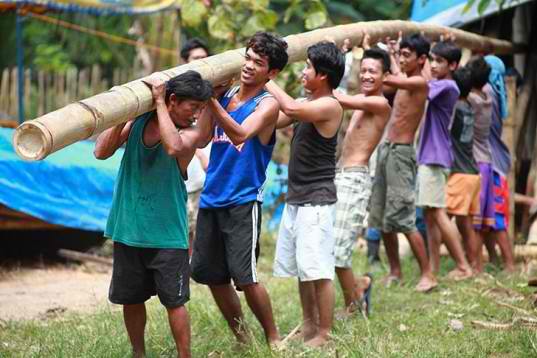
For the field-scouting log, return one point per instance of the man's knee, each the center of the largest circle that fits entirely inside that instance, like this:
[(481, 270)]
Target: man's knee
[(248, 287)]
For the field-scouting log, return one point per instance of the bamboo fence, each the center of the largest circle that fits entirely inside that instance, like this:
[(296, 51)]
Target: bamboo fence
[(46, 91)]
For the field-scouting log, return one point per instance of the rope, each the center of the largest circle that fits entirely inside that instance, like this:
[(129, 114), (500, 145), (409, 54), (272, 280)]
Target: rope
[(104, 35)]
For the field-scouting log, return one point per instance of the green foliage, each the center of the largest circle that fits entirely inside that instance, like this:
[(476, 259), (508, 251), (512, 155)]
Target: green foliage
[(54, 48), (51, 58), (482, 5)]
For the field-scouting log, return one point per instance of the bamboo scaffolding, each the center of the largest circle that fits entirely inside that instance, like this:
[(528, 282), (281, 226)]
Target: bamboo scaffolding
[(34, 140)]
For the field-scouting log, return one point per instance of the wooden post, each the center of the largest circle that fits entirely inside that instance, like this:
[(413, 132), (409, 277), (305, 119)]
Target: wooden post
[(13, 101), (510, 130), (4, 91), (36, 139), (40, 93), (27, 89)]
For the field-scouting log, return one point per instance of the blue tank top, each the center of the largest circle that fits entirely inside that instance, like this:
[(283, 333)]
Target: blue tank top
[(236, 174)]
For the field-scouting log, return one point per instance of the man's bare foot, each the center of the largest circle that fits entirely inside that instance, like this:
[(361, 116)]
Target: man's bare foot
[(459, 275), (309, 333), (303, 334), (509, 269), (426, 284), (317, 341), (391, 280)]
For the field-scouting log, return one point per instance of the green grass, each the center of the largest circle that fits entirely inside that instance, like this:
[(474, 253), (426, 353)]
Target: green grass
[(425, 316)]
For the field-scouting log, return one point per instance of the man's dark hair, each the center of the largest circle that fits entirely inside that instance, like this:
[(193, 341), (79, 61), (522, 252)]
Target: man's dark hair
[(379, 54), (328, 60), (189, 85), (271, 46), (463, 78), (447, 50), (480, 72), (416, 43), (191, 45)]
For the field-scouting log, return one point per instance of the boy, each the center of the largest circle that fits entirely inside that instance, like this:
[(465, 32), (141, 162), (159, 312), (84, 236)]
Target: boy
[(305, 246), (194, 49), (353, 181), (501, 163), (481, 102), (435, 158), (392, 208), (464, 183), (148, 219), (229, 220)]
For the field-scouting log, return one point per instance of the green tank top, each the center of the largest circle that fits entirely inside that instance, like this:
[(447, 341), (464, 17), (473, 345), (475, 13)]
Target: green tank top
[(149, 205)]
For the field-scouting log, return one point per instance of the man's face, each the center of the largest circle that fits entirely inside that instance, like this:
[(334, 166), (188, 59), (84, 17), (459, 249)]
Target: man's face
[(196, 54), (408, 60), (371, 75), (255, 69), (184, 112), (440, 67), (310, 78)]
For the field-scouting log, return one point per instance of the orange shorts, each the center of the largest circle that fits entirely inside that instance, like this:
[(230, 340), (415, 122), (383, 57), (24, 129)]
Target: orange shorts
[(462, 194)]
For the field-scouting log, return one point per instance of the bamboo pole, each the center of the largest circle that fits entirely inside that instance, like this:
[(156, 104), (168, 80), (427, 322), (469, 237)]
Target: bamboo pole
[(34, 140)]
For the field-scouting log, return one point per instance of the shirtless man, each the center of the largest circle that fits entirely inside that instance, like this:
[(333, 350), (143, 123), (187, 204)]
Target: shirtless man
[(392, 208), (305, 246), (353, 180)]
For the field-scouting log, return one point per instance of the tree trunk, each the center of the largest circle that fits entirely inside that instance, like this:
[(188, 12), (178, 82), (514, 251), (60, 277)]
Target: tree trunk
[(36, 139)]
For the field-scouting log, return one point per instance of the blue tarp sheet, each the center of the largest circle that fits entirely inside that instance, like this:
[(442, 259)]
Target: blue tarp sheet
[(450, 12), (423, 10), (71, 188)]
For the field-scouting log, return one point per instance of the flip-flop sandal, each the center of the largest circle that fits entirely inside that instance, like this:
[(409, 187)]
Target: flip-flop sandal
[(365, 300)]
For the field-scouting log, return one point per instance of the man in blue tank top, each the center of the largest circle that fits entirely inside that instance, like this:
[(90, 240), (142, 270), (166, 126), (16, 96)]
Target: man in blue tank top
[(305, 247), (229, 220), (148, 220)]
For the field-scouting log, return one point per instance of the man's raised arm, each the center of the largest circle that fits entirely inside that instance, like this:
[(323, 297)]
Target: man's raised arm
[(111, 139), (318, 110), (373, 104), (265, 115)]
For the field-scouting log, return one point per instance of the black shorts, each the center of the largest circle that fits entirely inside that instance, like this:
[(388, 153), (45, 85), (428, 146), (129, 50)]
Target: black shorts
[(140, 273), (227, 245)]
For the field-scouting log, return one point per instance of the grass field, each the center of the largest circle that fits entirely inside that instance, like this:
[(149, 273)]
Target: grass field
[(402, 323)]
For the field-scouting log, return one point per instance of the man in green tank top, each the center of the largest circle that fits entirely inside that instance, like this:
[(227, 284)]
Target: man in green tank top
[(148, 219)]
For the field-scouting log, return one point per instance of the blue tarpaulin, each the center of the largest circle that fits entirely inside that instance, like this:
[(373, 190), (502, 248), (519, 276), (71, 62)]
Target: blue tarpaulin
[(69, 188), (73, 189)]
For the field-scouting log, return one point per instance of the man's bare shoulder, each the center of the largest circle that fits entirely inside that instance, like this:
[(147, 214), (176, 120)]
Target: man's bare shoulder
[(267, 104), (380, 103), (420, 81)]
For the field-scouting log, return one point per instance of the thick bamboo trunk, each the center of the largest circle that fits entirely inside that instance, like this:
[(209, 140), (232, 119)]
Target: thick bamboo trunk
[(36, 139)]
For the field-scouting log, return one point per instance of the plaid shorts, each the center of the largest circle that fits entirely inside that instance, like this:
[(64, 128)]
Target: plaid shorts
[(353, 190)]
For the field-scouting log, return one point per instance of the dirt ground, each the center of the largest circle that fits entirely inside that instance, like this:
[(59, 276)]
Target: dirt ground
[(38, 293)]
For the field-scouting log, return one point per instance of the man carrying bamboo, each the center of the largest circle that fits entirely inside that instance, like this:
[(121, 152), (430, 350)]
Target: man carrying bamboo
[(392, 208), (148, 219), (353, 181), (305, 246), (229, 220)]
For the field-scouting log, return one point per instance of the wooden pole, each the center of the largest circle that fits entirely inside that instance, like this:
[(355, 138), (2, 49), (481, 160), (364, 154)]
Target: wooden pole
[(36, 139), (509, 137)]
